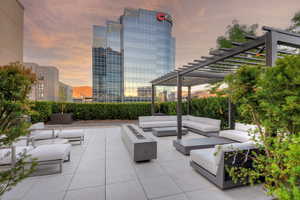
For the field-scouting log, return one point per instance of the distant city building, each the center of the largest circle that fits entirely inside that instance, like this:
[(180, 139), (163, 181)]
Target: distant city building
[(65, 92), (47, 85), (11, 31), (82, 94), (129, 53)]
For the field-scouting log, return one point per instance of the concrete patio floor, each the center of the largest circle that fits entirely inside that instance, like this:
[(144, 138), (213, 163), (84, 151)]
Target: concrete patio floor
[(102, 169)]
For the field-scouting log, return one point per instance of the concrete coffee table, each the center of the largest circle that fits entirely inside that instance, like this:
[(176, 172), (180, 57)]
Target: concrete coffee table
[(167, 131)]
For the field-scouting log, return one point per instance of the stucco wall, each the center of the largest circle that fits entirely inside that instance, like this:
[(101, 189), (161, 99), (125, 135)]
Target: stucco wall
[(11, 31)]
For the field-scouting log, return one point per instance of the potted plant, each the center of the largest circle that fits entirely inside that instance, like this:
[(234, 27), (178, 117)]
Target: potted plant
[(62, 117)]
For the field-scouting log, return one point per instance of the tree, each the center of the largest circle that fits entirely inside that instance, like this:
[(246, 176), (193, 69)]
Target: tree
[(15, 85), (236, 33), (295, 22), (271, 97)]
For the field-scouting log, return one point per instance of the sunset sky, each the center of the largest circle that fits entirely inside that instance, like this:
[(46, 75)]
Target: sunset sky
[(59, 32)]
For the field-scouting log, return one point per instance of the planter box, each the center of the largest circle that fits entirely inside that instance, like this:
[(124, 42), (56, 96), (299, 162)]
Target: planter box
[(141, 146), (58, 118)]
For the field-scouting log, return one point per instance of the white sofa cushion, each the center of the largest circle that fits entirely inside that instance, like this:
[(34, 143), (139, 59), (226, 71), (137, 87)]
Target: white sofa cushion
[(39, 125), (5, 154), (205, 158), (245, 127), (201, 126), (69, 133), (205, 120), (50, 152), (158, 124), (43, 134), (158, 118), (218, 150), (240, 136)]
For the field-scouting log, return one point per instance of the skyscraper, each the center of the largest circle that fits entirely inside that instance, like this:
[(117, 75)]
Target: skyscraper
[(129, 53)]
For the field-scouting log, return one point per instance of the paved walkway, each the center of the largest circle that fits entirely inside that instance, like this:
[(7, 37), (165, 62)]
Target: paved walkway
[(101, 169)]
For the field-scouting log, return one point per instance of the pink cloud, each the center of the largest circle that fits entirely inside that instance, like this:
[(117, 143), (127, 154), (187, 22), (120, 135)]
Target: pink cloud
[(58, 32)]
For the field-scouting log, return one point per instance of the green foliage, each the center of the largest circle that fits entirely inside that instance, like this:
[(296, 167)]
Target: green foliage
[(295, 21), (236, 33), (15, 84), (212, 107), (92, 111), (270, 96)]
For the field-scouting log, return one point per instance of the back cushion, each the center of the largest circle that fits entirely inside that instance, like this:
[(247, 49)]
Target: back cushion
[(204, 120), (157, 118), (220, 149), (39, 125), (245, 127)]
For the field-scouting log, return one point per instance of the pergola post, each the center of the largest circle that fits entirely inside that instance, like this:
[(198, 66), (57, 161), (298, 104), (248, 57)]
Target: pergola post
[(189, 98), (153, 100), (271, 48), (179, 106), (231, 114)]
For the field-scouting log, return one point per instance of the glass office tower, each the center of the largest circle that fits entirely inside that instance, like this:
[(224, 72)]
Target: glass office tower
[(128, 54)]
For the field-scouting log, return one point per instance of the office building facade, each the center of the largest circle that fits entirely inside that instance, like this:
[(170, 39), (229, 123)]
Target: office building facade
[(129, 53), (11, 31), (65, 92), (46, 87)]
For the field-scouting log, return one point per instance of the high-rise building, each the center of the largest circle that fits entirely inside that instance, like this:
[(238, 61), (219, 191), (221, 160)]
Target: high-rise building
[(129, 53), (46, 87), (11, 31)]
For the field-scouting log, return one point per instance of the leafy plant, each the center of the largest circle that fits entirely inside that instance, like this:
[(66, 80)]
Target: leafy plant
[(271, 97), (15, 85)]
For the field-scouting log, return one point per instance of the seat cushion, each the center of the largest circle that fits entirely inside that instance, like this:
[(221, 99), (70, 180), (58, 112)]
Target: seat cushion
[(70, 133), (201, 127), (43, 134), (158, 124), (240, 136), (205, 158), (39, 125), (5, 154), (50, 152), (245, 127)]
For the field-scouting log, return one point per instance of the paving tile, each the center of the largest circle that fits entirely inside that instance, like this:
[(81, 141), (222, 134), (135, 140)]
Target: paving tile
[(120, 173), (86, 179), (19, 191), (190, 180), (176, 166), (44, 196), (125, 191), (94, 193), (176, 197), (148, 169), (51, 183), (160, 187)]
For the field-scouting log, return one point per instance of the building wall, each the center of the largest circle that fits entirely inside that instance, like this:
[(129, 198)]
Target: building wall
[(11, 31), (65, 92), (128, 54), (47, 85)]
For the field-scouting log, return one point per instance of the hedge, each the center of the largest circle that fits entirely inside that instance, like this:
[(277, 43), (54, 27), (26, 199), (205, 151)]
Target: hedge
[(212, 107)]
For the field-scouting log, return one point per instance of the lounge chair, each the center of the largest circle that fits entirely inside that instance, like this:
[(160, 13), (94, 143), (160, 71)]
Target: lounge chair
[(241, 133), (38, 131), (211, 162), (44, 155), (73, 135)]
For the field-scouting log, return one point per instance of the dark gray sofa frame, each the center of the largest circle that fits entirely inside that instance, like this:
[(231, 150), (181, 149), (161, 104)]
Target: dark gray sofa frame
[(222, 179)]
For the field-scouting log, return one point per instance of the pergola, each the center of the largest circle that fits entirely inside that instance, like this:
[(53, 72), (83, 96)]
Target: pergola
[(261, 50)]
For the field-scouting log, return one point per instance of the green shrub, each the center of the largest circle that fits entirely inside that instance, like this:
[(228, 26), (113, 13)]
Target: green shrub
[(41, 111), (212, 107)]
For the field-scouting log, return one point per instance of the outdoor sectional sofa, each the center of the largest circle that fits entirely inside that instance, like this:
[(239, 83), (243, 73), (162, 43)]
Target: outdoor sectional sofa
[(201, 125), (211, 163)]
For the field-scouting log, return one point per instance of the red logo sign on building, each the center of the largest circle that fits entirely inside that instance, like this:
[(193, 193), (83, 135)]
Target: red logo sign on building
[(164, 17)]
